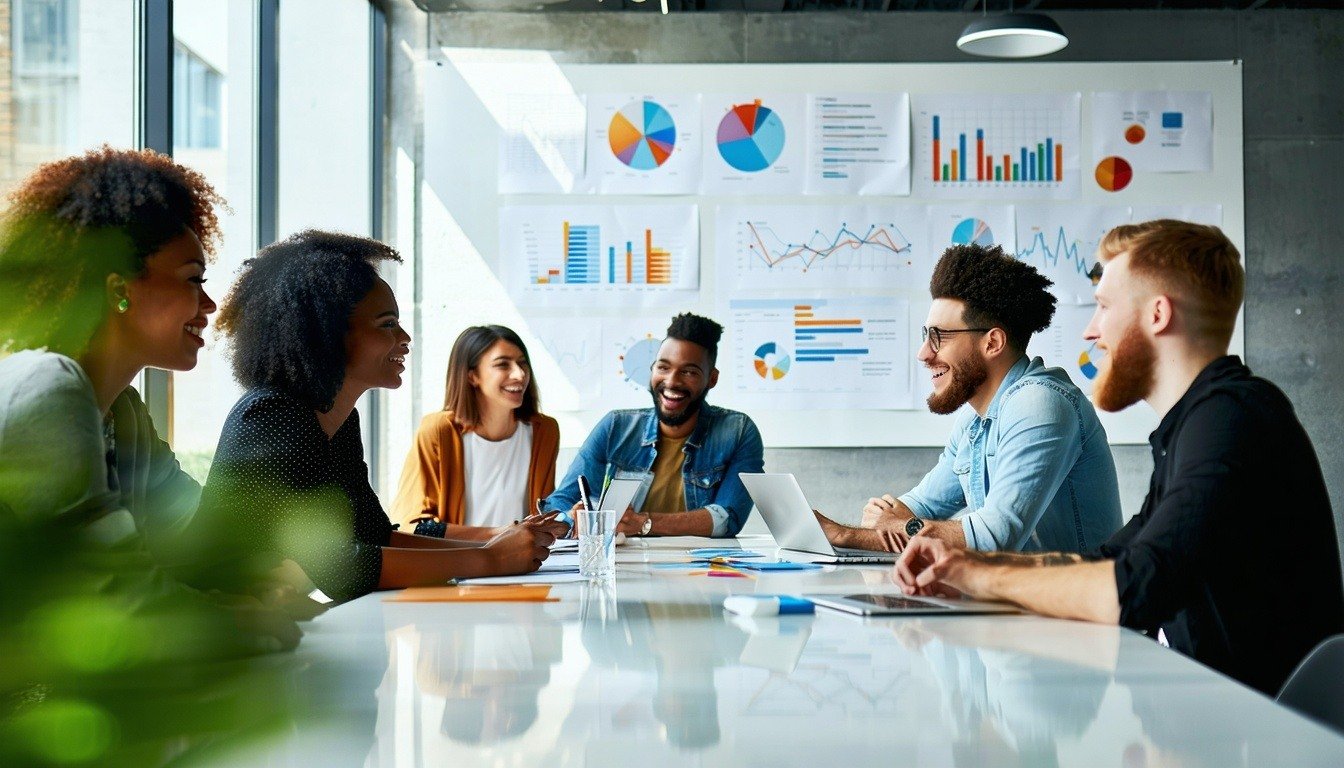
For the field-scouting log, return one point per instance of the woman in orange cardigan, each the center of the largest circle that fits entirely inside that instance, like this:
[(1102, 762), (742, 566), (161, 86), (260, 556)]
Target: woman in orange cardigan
[(483, 461)]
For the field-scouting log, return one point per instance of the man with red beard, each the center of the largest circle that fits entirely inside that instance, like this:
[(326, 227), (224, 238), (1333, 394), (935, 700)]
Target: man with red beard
[(1028, 461), (1228, 452), (692, 451)]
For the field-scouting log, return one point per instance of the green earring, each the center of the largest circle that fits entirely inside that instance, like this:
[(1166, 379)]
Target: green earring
[(123, 305)]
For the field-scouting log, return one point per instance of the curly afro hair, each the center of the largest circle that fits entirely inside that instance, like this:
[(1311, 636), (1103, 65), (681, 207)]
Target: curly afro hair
[(697, 330), (73, 222), (998, 290), (289, 311)]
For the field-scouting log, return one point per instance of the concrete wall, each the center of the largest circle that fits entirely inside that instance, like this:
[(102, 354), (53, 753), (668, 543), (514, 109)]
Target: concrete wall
[(1294, 144)]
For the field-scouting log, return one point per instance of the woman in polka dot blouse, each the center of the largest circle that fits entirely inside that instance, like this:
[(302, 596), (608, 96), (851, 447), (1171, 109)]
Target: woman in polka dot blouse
[(311, 328)]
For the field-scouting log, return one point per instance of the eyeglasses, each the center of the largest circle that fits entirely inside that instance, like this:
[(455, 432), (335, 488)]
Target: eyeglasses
[(934, 335)]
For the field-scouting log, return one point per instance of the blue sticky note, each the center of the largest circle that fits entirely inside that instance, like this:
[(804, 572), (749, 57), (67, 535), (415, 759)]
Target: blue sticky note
[(723, 552), (1173, 120), (781, 565)]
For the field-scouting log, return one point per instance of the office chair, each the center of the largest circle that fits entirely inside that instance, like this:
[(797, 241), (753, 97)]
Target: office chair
[(1316, 687)]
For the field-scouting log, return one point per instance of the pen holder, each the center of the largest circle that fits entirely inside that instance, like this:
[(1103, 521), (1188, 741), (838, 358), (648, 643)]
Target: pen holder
[(597, 544)]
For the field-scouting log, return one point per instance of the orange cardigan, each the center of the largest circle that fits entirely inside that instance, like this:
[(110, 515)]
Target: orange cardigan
[(432, 481)]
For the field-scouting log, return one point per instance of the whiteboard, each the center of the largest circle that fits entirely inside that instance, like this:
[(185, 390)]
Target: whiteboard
[(463, 276)]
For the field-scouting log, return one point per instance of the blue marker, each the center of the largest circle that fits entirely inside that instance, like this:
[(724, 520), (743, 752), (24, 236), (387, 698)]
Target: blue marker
[(767, 605)]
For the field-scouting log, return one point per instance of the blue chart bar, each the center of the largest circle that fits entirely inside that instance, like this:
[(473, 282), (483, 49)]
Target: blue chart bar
[(1049, 159), (611, 264), (961, 159), (801, 359), (936, 134), (835, 330), (582, 249)]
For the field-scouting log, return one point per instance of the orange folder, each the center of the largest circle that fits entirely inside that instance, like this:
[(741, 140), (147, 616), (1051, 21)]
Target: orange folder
[(500, 593)]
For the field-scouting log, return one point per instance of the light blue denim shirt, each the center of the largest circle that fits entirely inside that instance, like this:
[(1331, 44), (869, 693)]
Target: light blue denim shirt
[(624, 443), (1034, 473)]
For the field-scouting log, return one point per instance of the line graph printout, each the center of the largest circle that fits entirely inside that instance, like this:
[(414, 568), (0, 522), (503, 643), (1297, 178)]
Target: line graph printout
[(567, 361), (644, 145), (813, 353), (860, 144), (761, 248), (1061, 242), (574, 255), (997, 146)]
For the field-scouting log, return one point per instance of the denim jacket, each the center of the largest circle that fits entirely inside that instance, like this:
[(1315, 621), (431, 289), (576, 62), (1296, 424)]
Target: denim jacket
[(1034, 473), (723, 444)]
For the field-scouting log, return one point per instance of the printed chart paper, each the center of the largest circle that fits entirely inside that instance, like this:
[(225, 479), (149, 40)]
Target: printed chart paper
[(815, 353), (985, 225), (1156, 131), (860, 144), (629, 349), (567, 361), (644, 145), (997, 146), (1061, 242), (541, 144), (754, 144), (600, 255)]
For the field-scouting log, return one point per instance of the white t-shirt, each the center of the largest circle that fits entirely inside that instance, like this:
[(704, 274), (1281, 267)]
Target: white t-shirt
[(496, 487)]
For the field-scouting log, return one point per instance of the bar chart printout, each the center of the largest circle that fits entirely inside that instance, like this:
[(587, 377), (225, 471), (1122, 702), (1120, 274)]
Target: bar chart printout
[(821, 353), (632, 255), (997, 146)]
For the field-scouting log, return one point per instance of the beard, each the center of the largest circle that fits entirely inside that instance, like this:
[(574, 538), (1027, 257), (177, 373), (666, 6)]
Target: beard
[(1128, 376), (677, 419), (964, 380)]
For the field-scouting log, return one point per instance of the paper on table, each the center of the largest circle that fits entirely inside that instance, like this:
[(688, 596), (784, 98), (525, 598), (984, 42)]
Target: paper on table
[(550, 573), (522, 593)]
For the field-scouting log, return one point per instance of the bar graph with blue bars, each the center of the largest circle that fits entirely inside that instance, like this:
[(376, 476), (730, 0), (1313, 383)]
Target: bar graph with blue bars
[(1038, 160), (582, 245)]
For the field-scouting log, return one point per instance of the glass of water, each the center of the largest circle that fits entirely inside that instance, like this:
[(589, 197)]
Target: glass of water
[(597, 544)]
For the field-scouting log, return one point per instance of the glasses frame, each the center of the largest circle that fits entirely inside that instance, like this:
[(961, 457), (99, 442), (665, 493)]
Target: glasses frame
[(934, 335)]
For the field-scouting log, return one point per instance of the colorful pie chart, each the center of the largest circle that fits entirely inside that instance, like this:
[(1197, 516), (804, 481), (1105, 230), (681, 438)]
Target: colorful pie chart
[(637, 362), (1086, 365), (642, 135), (1114, 174), (770, 364), (751, 137), (1135, 133), (972, 231)]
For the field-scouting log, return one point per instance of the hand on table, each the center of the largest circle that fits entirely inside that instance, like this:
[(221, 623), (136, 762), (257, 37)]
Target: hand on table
[(934, 568)]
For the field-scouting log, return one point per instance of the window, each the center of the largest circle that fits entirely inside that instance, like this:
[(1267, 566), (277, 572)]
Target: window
[(198, 91)]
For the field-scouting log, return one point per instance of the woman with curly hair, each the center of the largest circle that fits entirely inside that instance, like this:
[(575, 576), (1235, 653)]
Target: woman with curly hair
[(312, 328), (489, 455), (102, 272)]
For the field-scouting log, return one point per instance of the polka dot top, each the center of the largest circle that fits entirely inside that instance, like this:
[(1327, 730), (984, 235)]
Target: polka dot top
[(279, 486)]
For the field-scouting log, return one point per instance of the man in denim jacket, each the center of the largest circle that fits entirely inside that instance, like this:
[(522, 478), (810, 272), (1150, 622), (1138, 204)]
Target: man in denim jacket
[(1028, 462), (694, 451)]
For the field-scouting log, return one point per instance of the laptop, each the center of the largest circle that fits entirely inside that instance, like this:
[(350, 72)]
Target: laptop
[(902, 605), (789, 517)]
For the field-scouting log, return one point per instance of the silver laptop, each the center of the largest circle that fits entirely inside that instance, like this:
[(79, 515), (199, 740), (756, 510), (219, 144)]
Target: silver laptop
[(789, 517), (901, 605)]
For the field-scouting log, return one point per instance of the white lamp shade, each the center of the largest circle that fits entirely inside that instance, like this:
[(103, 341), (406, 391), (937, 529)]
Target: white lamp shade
[(1012, 36)]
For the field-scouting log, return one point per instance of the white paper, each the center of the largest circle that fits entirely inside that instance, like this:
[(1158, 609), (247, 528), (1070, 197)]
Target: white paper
[(541, 143), (644, 145), (630, 348), (754, 144), (1007, 130), (1155, 131), (1062, 345), (600, 255), (860, 144), (815, 353), (567, 361), (1061, 242), (985, 225), (797, 248)]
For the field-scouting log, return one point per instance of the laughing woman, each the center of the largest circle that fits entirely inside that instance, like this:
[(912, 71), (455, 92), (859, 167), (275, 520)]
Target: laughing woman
[(312, 327), (490, 453)]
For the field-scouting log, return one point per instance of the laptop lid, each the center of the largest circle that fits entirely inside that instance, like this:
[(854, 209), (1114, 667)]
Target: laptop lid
[(786, 512)]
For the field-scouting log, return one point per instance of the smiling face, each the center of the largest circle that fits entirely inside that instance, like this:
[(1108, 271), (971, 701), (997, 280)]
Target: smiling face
[(1125, 375), (958, 368), (682, 377), (168, 307), (500, 377), (375, 344)]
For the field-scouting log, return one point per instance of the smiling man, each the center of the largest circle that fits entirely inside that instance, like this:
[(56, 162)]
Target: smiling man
[(1028, 461), (1208, 560), (693, 450)]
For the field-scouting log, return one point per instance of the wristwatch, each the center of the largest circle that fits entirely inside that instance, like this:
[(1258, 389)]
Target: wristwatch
[(913, 526), (647, 526)]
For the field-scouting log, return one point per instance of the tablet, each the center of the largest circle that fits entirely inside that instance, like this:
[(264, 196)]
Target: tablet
[(623, 492), (901, 605)]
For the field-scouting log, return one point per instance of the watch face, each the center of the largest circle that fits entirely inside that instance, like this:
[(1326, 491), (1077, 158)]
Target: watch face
[(913, 526), (648, 526)]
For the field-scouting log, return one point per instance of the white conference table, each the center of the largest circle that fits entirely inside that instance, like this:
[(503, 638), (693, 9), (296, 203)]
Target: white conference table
[(652, 672)]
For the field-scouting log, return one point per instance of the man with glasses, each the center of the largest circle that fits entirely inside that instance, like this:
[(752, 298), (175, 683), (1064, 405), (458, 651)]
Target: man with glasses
[(1233, 557), (1028, 462)]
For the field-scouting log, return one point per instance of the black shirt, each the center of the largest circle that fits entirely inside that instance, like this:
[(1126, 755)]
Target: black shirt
[(279, 488), (1233, 554)]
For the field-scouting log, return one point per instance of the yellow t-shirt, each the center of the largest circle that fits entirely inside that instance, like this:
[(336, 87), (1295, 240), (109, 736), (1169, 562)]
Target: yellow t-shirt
[(667, 492)]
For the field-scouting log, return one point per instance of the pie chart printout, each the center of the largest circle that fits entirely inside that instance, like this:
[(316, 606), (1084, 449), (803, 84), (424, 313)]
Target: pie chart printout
[(1114, 174), (642, 135), (770, 363), (972, 231), (751, 137)]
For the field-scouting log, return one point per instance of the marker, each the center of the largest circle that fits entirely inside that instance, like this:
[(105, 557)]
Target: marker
[(585, 495), (767, 605)]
